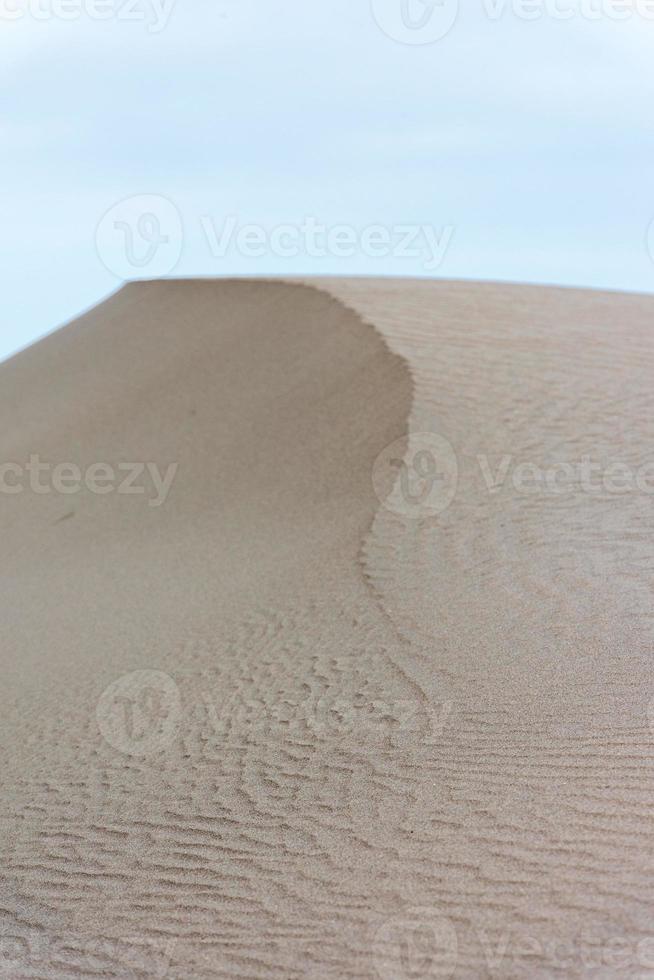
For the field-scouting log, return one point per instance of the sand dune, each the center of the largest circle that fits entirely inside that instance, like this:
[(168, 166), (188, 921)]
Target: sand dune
[(326, 647)]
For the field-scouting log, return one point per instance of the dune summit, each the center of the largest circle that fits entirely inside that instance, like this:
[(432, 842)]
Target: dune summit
[(326, 636)]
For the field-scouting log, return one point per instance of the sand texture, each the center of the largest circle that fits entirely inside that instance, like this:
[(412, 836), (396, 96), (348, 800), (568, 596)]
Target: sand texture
[(366, 693)]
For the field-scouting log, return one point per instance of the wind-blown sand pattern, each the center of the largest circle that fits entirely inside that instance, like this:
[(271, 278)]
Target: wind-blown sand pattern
[(276, 727)]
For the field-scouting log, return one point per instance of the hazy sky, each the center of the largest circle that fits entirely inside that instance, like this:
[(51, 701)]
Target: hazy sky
[(509, 148)]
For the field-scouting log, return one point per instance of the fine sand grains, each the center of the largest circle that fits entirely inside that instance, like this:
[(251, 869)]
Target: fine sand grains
[(301, 719)]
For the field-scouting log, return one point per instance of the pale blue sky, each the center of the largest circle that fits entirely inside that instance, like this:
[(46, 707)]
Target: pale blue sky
[(532, 141)]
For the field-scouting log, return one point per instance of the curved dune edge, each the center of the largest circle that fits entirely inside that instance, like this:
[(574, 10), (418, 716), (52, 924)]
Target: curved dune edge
[(515, 374), (462, 753)]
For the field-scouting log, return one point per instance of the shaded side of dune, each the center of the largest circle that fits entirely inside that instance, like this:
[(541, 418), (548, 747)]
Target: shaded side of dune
[(238, 842)]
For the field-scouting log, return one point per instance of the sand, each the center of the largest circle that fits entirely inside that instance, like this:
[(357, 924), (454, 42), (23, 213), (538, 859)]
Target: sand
[(359, 685)]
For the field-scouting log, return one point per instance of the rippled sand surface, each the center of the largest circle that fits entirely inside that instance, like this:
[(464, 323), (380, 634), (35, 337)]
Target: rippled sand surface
[(327, 647)]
